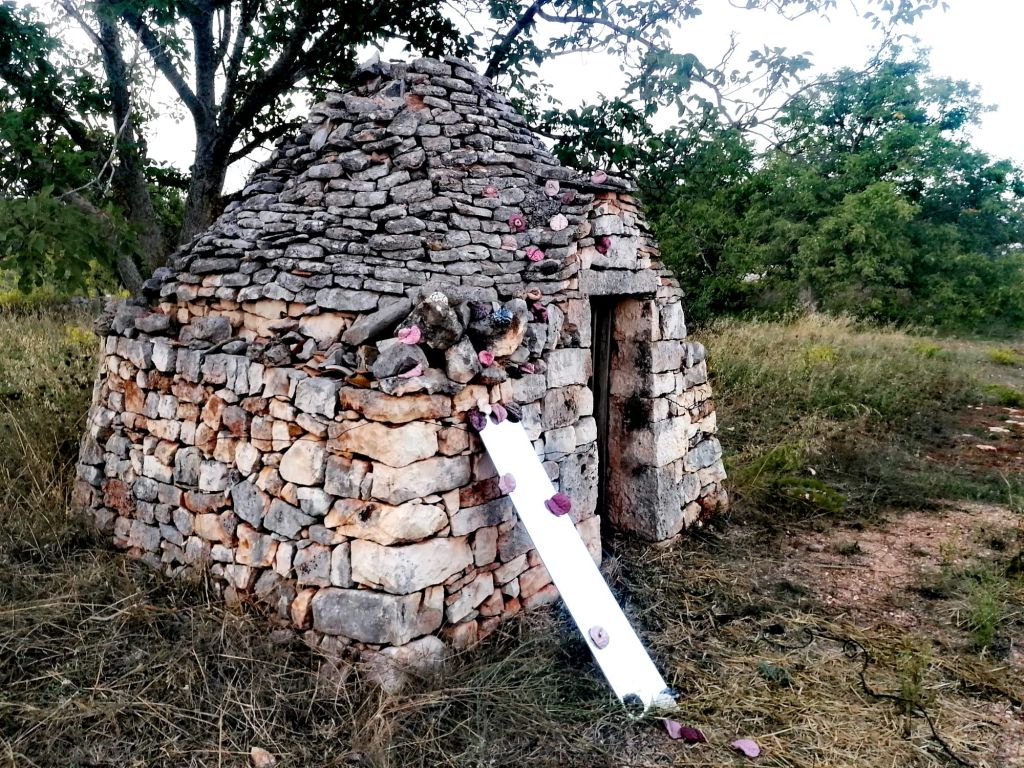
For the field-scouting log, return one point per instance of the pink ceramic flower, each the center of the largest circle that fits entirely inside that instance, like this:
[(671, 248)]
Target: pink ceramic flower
[(507, 483), (486, 358), (490, 191), (410, 335), (599, 177), (551, 187), (517, 222), (533, 253), (528, 368), (498, 413), (558, 222), (603, 244)]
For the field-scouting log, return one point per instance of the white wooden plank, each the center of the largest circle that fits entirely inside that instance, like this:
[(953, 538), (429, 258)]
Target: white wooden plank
[(624, 660)]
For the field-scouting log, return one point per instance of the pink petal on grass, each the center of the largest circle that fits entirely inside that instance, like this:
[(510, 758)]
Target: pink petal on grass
[(410, 335), (507, 483), (486, 357), (599, 177), (748, 747), (412, 373), (678, 731)]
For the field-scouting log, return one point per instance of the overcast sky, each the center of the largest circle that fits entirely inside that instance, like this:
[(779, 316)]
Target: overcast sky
[(975, 40)]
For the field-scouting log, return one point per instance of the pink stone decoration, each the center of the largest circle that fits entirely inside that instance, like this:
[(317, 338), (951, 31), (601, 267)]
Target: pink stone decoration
[(412, 373), (558, 222), (498, 413), (490, 191), (603, 244), (508, 243), (517, 222), (410, 335), (559, 504), (677, 730), (533, 253), (551, 187), (486, 357), (528, 368), (507, 483), (599, 177), (568, 196), (599, 637), (477, 420)]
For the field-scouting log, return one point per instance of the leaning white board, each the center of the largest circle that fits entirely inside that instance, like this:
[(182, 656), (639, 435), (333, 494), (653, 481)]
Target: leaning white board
[(624, 660)]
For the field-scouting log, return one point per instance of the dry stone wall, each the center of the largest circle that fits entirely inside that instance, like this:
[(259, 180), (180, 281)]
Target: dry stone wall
[(291, 409)]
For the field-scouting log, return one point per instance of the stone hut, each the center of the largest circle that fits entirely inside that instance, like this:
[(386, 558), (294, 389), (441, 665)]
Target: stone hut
[(289, 410)]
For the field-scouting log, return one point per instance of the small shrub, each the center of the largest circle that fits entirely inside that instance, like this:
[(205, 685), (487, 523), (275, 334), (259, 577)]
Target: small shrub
[(985, 610), (1001, 394), (1004, 356), (912, 663)]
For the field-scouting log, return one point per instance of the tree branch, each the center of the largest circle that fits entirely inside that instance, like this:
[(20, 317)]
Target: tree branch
[(261, 137), (591, 20), (162, 60), (501, 51)]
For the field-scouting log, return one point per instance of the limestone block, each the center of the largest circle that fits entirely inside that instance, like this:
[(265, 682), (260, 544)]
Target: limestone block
[(404, 569), (376, 617), (394, 446), (254, 548), (485, 545), (397, 667), (492, 513), (568, 366), (462, 362), (658, 443), (285, 519), (312, 565), (469, 597), (341, 565), (344, 477), (514, 542), (590, 531), (383, 523), (422, 478), (377, 406), (637, 320), (615, 282), (317, 395), (565, 405), (346, 300), (304, 463), (704, 454), (671, 321)]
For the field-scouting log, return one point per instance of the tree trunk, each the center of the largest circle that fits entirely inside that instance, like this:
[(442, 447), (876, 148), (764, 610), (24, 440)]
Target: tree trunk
[(203, 205), (129, 176)]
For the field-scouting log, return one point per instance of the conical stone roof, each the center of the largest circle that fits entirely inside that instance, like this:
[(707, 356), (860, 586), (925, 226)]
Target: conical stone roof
[(424, 175)]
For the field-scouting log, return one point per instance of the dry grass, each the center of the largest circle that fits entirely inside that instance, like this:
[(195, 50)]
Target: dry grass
[(103, 663)]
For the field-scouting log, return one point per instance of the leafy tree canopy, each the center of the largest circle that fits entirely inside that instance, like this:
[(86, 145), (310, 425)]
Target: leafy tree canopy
[(872, 202)]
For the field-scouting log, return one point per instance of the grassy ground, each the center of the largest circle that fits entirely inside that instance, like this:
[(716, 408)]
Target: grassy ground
[(863, 604)]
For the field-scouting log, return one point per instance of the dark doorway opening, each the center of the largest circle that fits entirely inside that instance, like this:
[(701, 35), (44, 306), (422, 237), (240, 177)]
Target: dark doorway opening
[(602, 318)]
